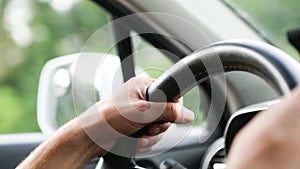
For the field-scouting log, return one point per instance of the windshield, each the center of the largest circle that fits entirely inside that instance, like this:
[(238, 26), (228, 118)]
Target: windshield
[(271, 18)]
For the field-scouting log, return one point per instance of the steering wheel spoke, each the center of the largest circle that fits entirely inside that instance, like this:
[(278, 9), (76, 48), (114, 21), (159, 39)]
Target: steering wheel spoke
[(241, 118)]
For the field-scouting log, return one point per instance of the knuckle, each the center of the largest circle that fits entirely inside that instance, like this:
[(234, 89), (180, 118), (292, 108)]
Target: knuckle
[(171, 112), (164, 126), (142, 106)]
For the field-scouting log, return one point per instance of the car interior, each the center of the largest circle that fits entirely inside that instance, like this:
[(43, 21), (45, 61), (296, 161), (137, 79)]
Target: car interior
[(207, 52)]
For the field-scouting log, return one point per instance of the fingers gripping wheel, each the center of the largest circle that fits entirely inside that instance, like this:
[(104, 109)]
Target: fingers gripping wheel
[(276, 67)]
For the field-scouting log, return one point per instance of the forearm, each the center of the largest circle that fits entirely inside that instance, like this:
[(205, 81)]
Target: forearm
[(70, 147)]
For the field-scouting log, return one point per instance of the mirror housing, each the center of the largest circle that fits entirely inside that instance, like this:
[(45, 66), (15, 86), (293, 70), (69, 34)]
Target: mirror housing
[(55, 100)]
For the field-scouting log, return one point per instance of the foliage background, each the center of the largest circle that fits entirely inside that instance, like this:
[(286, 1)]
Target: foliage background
[(54, 32)]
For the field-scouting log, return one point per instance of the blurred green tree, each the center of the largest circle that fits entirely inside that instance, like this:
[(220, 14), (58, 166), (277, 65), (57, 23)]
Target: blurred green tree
[(54, 30)]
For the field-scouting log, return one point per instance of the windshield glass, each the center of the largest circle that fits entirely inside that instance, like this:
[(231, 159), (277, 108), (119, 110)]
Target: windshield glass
[(271, 18)]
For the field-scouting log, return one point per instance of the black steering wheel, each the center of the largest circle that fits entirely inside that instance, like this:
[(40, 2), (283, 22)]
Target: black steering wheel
[(280, 70)]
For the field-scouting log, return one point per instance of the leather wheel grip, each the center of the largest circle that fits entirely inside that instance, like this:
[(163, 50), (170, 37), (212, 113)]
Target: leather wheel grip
[(279, 69)]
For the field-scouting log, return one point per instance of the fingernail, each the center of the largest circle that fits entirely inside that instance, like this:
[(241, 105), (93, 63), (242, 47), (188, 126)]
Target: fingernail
[(189, 116), (154, 131), (145, 142)]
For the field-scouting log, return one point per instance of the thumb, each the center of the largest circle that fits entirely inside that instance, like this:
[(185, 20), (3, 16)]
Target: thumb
[(185, 115), (175, 112)]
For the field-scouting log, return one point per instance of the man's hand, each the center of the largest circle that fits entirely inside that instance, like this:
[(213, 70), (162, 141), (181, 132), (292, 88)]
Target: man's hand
[(127, 111), (95, 131)]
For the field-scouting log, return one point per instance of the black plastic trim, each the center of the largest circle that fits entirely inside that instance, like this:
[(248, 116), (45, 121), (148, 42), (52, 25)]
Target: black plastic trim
[(124, 49), (138, 25)]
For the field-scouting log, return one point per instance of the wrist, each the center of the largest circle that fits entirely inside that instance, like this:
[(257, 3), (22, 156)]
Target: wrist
[(73, 135), (69, 147), (94, 129)]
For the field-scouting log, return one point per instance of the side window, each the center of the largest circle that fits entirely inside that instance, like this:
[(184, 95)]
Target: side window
[(149, 59), (154, 62), (32, 32)]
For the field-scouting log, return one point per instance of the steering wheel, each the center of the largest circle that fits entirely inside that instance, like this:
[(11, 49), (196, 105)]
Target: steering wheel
[(280, 70)]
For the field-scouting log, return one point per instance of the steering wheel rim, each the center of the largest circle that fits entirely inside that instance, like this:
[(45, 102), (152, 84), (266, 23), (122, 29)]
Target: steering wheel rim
[(273, 65), (270, 63)]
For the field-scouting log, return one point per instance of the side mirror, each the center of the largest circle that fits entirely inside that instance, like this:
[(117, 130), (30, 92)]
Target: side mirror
[(56, 86)]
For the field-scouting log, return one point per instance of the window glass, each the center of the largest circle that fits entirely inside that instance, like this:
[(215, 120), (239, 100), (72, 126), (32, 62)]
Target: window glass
[(272, 18), (154, 62), (32, 32)]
